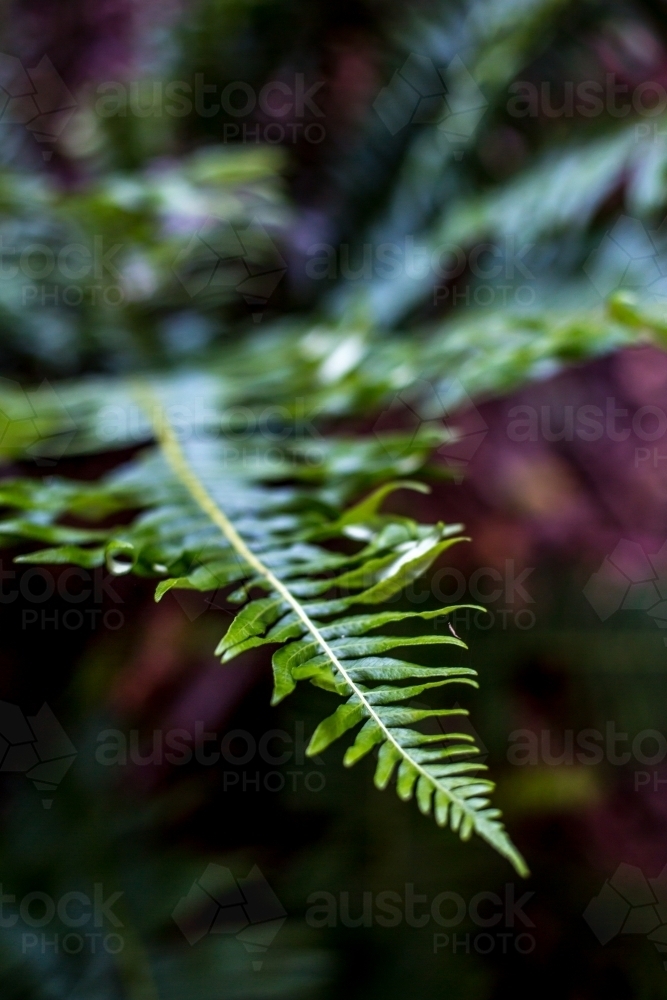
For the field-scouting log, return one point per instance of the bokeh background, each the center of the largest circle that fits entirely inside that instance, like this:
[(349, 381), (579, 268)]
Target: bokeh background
[(512, 158)]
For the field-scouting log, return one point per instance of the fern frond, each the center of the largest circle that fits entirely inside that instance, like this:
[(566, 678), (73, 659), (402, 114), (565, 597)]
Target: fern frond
[(208, 523), (561, 191), (490, 352)]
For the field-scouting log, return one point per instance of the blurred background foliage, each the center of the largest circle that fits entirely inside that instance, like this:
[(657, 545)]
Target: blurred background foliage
[(140, 236), (128, 173)]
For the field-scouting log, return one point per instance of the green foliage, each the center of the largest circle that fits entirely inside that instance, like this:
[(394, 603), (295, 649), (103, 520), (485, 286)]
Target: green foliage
[(208, 523), (288, 538), (318, 373), (90, 278)]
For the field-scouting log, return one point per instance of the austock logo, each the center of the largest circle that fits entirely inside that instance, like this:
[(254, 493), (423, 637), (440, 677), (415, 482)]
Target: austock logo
[(218, 903), (420, 93), (37, 746), (630, 256), (221, 257), (423, 407), (630, 580), (629, 903), (27, 420), (37, 99), (27, 918), (502, 917)]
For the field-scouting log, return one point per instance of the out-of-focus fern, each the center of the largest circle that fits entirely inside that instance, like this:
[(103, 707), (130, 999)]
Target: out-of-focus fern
[(119, 264), (329, 371), (564, 188)]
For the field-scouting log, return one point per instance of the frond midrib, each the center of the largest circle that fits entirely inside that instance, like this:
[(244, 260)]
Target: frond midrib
[(173, 452)]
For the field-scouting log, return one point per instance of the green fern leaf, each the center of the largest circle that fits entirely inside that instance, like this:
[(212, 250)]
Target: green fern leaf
[(208, 522)]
